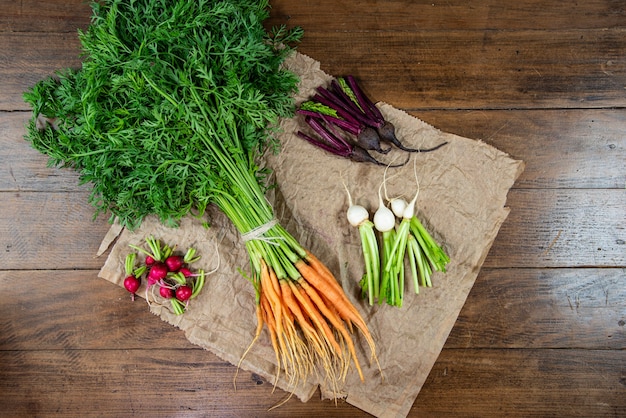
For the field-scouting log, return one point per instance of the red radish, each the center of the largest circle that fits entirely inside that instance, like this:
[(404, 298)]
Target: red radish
[(166, 292), (149, 260), (183, 293), (186, 272), (132, 283), (174, 262), (158, 271)]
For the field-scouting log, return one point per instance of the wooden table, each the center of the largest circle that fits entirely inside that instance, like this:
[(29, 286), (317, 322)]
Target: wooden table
[(543, 330)]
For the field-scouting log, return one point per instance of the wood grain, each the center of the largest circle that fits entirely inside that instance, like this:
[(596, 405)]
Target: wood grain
[(562, 228), (590, 145), (486, 70), (562, 148), (156, 383), (49, 231), (522, 383), (411, 16), (75, 310), (33, 56), (533, 308), (44, 16), (463, 70), (542, 332)]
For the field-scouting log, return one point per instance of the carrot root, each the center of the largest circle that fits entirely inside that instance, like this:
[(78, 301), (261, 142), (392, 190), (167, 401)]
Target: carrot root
[(257, 335), (310, 322)]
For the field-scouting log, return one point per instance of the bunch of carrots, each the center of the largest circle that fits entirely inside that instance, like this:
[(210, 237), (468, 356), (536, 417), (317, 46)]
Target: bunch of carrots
[(310, 322)]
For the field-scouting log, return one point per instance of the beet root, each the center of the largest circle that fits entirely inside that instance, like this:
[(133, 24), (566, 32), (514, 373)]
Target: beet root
[(361, 155), (369, 139), (387, 133)]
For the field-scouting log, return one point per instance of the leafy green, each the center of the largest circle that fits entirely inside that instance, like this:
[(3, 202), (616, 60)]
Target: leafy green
[(173, 105)]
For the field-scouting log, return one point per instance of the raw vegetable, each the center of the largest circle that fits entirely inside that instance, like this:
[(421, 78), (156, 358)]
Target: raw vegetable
[(422, 244), (132, 281), (395, 242), (166, 271), (174, 104), (385, 222), (365, 137), (358, 217), (344, 105), (414, 240), (393, 269), (334, 143)]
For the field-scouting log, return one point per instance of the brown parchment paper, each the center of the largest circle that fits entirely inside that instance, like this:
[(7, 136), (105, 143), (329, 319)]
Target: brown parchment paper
[(462, 196)]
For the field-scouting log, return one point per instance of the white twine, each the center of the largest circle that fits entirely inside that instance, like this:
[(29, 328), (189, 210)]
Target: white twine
[(258, 233)]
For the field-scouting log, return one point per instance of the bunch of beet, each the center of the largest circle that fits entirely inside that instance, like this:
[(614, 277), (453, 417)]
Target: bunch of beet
[(165, 270), (347, 123)]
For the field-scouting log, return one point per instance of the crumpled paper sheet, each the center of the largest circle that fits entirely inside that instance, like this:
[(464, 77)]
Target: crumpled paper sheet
[(462, 195)]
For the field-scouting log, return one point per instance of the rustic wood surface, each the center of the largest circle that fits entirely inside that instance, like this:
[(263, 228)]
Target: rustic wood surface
[(542, 332)]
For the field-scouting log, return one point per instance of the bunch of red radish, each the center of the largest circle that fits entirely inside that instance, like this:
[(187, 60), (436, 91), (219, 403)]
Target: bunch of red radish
[(169, 272)]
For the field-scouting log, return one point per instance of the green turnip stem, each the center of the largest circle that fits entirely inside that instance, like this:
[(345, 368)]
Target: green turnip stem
[(371, 259), (411, 248), (386, 287), (435, 254), (421, 276), (399, 245)]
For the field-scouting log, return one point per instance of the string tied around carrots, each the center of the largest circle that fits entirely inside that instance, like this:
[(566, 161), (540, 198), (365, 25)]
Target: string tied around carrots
[(258, 233)]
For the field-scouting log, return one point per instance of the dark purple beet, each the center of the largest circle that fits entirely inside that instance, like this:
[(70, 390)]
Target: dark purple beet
[(369, 139)]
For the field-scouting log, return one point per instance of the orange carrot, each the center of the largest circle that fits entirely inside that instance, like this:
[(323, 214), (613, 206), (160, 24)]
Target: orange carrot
[(330, 288), (334, 320), (323, 270), (308, 330), (286, 351), (339, 300), (315, 316), (332, 307), (293, 306), (268, 318)]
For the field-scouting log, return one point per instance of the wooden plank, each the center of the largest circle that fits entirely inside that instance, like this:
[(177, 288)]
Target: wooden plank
[(49, 231), (459, 70), (491, 383), (523, 383), (562, 228), (590, 145), (72, 310), (561, 148), (480, 70), (552, 308), (543, 308), (156, 382), (33, 57), (401, 15), (44, 16), (24, 168), (546, 228), (369, 15)]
